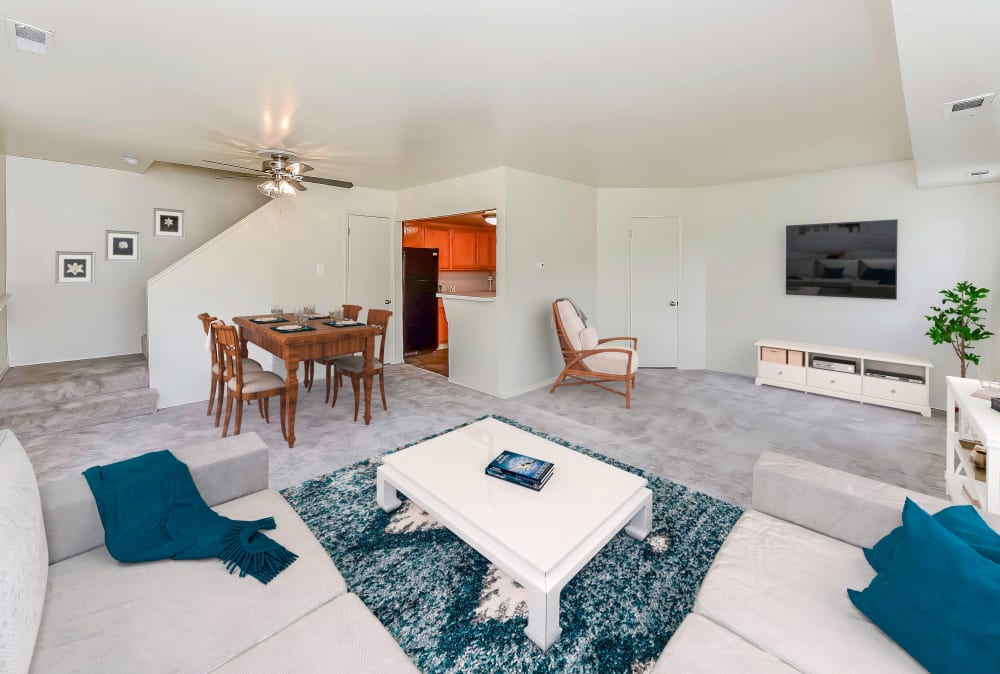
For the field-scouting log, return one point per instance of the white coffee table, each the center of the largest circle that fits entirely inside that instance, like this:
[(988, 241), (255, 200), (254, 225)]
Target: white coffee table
[(541, 539)]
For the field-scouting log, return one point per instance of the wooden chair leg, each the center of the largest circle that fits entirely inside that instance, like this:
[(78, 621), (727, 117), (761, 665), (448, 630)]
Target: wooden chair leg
[(381, 386), (309, 375), (229, 411), (284, 413), (267, 412), (211, 399), (628, 396), (336, 388), (239, 419), (260, 406), (356, 385), (328, 366), (559, 380), (222, 397)]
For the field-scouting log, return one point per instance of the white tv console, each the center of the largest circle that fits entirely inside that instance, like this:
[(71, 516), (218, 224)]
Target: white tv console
[(904, 384)]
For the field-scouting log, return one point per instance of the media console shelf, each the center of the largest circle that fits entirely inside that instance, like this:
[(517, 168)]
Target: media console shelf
[(873, 377)]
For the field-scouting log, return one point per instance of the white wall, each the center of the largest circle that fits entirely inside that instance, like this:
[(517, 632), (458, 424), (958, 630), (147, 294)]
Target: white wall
[(551, 221), (4, 356), (474, 355), (945, 235), (53, 206), (615, 210), (269, 257)]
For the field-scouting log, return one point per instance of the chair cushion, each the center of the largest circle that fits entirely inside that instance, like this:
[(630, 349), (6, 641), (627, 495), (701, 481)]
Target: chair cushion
[(571, 323), (612, 362), (249, 365), (258, 381), (355, 363), (700, 646), (179, 616), (24, 556), (342, 636), (588, 338), (783, 588)]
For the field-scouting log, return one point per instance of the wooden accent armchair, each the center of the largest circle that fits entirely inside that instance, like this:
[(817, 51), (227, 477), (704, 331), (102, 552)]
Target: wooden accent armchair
[(585, 363)]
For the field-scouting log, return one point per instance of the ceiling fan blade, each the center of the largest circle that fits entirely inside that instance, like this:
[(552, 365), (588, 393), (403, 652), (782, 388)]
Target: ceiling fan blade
[(236, 177), (327, 181), (298, 168), (298, 185), (242, 168)]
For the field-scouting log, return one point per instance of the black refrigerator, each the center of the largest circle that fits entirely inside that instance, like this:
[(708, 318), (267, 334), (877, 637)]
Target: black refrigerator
[(420, 280)]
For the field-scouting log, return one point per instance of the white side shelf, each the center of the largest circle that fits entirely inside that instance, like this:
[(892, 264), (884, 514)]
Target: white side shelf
[(975, 420), (796, 373)]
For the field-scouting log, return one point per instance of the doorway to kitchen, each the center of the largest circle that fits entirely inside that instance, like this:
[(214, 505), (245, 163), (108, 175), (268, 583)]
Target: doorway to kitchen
[(449, 257)]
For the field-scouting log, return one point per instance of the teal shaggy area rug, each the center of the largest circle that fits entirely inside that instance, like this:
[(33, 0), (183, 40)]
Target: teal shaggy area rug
[(453, 611)]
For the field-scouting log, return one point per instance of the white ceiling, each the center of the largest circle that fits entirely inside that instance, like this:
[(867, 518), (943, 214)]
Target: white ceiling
[(393, 93), (950, 50)]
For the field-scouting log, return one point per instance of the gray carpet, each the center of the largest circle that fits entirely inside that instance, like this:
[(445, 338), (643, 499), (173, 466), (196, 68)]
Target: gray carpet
[(701, 429)]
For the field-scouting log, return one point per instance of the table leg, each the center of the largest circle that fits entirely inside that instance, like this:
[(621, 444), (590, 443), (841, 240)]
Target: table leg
[(244, 351), (369, 370), (385, 493), (292, 393), (639, 526), (543, 617)]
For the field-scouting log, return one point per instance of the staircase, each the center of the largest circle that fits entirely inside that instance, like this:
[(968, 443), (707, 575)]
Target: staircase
[(53, 397)]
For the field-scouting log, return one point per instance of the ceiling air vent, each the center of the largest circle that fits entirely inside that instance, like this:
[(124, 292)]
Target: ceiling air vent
[(977, 174), (28, 38), (967, 107)]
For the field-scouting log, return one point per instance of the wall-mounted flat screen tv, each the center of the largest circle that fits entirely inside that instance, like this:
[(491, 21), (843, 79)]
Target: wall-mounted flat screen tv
[(842, 259)]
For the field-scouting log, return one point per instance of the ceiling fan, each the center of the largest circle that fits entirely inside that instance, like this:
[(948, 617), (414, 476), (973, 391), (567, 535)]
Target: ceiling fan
[(283, 173)]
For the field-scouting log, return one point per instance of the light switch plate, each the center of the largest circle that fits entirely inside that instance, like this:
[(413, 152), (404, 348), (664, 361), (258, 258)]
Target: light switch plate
[(320, 269), (540, 266)]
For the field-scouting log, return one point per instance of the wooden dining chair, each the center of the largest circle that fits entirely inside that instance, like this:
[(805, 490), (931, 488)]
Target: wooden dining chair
[(260, 386), (353, 366), (249, 365), (351, 313)]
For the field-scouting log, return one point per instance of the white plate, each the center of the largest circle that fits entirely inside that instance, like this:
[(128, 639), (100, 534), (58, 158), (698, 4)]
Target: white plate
[(288, 328)]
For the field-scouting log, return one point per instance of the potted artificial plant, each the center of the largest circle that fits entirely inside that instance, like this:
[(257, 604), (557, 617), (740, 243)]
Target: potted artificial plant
[(959, 321)]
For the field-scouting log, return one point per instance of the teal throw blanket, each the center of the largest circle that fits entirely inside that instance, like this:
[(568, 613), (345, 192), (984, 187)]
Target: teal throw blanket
[(151, 509)]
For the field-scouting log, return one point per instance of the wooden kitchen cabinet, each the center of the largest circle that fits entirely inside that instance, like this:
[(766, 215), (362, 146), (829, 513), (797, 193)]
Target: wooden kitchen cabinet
[(442, 324), (463, 248), (413, 235), (439, 237), (486, 250)]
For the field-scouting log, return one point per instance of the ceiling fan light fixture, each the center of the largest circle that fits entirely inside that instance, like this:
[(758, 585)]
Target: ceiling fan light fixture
[(276, 189)]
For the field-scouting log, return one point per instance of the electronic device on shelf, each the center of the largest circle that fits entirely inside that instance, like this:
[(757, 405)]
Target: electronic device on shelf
[(834, 364), (895, 376)]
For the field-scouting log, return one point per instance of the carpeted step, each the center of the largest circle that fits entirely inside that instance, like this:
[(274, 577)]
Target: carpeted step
[(80, 413), (53, 383)]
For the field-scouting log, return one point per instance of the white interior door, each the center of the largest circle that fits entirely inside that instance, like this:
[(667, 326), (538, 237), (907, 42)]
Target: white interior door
[(653, 285), (369, 269)]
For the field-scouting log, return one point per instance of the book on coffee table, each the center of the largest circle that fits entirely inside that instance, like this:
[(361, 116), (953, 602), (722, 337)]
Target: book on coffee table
[(520, 469)]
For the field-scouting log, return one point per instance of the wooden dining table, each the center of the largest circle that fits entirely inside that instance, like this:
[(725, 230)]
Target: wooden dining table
[(322, 341)]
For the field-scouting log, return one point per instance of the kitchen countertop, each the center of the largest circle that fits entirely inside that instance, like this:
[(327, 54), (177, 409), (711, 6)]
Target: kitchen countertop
[(470, 295)]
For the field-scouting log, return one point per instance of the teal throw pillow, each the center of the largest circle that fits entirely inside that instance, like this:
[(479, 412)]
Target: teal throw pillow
[(937, 598), (963, 521)]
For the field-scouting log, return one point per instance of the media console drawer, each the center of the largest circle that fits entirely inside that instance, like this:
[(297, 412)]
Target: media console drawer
[(900, 391), (781, 372), (835, 381)]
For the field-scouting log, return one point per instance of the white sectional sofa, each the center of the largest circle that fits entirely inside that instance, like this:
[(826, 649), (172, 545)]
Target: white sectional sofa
[(775, 598), (67, 606)]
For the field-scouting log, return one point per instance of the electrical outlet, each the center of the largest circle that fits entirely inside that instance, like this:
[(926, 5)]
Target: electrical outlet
[(540, 266), (320, 269)]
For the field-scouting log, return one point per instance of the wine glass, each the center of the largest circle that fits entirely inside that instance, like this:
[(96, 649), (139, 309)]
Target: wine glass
[(309, 309), (276, 310)]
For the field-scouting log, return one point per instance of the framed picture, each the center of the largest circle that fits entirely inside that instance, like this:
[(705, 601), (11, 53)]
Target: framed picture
[(122, 245), (74, 267), (168, 223)]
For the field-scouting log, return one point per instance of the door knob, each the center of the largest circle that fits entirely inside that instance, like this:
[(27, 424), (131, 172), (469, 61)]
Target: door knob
[(673, 303), (387, 301)]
